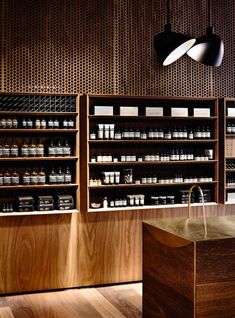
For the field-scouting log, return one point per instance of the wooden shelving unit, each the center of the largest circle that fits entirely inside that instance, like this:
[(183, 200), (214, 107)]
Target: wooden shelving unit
[(91, 169), (227, 150), (40, 106)]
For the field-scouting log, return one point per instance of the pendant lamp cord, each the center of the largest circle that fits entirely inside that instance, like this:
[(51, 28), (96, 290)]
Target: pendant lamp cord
[(168, 12), (209, 12)]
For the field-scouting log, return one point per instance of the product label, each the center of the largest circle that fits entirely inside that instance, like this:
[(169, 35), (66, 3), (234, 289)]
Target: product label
[(3, 123), (67, 151), (59, 151), (52, 178), (14, 152), (6, 152), (56, 124), (68, 178), (42, 179), (34, 179), (7, 180), (1, 152), (1, 180), (50, 124), (37, 124), (32, 151), (43, 124), (24, 152), (14, 123), (15, 180), (40, 152), (9, 124), (26, 179), (71, 124), (60, 178), (51, 151), (29, 124), (65, 124)]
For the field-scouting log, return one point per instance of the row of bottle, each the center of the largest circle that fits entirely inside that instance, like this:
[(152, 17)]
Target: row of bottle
[(7, 207), (174, 155), (230, 182), (129, 200), (230, 129), (37, 123), (35, 177), (34, 149), (107, 131), (110, 178)]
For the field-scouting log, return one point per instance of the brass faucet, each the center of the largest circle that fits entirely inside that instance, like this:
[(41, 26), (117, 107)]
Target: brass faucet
[(203, 206)]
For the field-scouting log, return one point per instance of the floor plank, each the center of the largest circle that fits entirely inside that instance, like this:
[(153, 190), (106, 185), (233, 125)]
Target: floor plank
[(117, 301), (5, 312)]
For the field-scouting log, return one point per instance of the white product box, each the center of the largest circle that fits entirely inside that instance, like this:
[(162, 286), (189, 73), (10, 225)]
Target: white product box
[(231, 196), (231, 112), (103, 110), (129, 110), (201, 112), (179, 112), (153, 111)]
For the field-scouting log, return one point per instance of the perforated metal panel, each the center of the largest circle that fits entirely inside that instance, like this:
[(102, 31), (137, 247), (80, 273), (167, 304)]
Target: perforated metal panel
[(106, 47)]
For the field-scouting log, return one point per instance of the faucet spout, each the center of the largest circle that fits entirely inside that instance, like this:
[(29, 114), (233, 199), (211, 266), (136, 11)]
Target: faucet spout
[(203, 205)]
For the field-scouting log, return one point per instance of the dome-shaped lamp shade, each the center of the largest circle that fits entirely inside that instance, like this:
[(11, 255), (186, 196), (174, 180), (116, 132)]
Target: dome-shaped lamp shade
[(208, 49), (170, 46)]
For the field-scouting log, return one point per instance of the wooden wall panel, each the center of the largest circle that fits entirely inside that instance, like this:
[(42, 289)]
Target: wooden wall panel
[(38, 252), (100, 47), (106, 47)]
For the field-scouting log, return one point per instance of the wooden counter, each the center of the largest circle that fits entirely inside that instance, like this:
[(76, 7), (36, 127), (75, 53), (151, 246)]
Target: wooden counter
[(186, 274)]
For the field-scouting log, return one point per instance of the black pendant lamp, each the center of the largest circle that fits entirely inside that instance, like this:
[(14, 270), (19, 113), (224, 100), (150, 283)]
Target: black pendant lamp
[(170, 46), (209, 48)]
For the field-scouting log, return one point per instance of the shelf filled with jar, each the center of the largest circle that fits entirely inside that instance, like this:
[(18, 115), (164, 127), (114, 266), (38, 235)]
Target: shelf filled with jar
[(227, 150), (33, 161), (166, 136)]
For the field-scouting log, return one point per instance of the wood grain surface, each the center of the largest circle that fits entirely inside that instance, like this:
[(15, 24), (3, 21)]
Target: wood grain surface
[(168, 280), (216, 298), (62, 251), (5, 312), (209, 269), (120, 301)]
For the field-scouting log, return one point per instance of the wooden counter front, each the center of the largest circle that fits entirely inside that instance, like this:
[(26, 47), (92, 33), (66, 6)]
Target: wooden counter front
[(186, 274)]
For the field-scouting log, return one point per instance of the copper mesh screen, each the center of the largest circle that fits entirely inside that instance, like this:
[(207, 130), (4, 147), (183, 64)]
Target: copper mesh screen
[(106, 47)]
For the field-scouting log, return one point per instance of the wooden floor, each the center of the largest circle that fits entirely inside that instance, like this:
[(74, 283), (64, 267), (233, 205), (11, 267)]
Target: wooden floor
[(117, 301)]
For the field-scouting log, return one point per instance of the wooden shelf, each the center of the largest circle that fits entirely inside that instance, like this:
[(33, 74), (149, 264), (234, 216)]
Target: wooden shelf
[(55, 105), (144, 163), (45, 186), (39, 130), (115, 147), (150, 207), (38, 213), (226, 147), (12, 113), (152, 117), (148, 141), (72, 158), (149, 185)]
